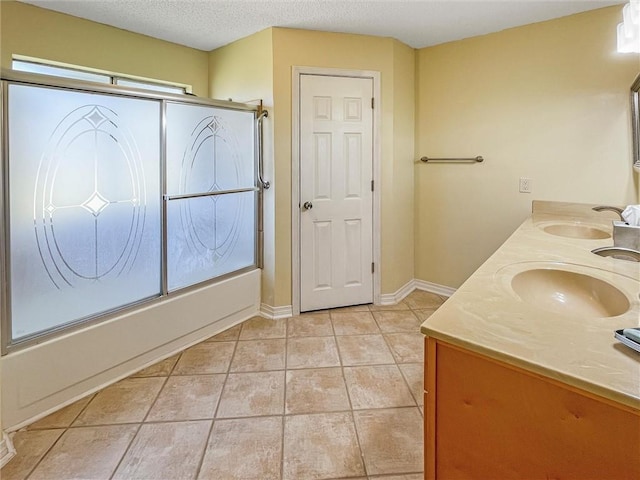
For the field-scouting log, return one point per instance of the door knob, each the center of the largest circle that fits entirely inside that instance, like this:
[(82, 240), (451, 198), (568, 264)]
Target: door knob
[(307, 205)]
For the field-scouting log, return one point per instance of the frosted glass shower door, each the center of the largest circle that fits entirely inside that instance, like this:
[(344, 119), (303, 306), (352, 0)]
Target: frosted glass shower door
[(84, 205), (211, 193)]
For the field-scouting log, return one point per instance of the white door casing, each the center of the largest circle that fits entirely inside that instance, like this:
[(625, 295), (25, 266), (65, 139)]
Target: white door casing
[(335, 196)]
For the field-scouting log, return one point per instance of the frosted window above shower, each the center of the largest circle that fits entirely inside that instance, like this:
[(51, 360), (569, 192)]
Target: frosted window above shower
[(85, 205)]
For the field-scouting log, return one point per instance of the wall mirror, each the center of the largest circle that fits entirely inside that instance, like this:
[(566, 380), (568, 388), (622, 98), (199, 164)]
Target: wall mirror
[(635, 122)]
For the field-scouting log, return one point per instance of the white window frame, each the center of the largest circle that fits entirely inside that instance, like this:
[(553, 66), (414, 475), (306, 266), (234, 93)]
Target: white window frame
[(114, 77)]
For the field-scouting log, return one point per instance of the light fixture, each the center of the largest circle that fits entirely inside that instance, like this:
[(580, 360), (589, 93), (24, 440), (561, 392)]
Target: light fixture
[(629, 29)]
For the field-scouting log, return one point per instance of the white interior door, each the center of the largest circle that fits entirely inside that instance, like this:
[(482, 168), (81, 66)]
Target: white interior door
[(336, 199)]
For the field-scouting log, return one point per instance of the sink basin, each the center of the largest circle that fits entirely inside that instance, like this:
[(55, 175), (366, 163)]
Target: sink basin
[(618, 253), (569, 293), (576, 230)]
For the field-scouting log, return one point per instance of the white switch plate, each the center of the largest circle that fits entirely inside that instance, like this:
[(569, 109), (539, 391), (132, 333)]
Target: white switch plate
[(525, 185)]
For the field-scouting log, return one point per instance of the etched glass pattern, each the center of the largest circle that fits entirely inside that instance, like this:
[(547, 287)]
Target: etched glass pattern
[(209, 150), (209, 237), (84, 205)]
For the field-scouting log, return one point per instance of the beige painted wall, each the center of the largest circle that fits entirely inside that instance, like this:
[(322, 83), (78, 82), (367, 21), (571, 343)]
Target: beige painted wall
[(398, 196), (41, 33), (357, 52), (240, 68), (243, 71), (547, 101)]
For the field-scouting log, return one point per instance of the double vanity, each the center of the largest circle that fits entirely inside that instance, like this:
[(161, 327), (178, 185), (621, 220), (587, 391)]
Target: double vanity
[(523, 375)]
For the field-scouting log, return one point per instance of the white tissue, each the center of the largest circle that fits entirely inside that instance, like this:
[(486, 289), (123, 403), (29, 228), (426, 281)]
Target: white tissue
[(631, 215)]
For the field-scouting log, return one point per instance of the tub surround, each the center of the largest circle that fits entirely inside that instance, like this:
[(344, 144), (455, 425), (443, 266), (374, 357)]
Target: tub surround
[(486, 316), (530, 388)]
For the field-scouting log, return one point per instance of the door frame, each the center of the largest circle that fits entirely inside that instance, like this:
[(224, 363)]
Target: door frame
[(297, 72)]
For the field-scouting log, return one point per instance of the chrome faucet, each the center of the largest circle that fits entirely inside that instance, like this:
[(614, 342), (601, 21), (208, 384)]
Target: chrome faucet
[(602, 208), (624, 235)]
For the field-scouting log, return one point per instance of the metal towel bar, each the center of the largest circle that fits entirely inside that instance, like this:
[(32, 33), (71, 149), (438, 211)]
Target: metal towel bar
[(477, 159)]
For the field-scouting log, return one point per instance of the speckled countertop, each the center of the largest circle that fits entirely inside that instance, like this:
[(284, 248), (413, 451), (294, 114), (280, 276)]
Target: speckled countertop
[(486, 316)]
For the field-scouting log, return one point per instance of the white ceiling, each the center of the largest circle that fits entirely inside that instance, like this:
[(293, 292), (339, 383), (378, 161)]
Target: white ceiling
[(209, 24)]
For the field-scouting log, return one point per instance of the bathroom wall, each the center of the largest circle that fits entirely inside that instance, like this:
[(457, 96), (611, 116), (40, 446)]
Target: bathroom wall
[(241, 67), (547, 101), (41, 33), (395, 62), (243, 71), (399, 216)]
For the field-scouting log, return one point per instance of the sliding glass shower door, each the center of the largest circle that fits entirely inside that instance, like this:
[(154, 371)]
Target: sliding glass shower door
[(211, 192), (84, 196), (116, 199)]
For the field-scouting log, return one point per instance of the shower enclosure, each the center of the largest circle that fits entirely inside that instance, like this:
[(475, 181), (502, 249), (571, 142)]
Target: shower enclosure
[(131, 229), (114, 198)]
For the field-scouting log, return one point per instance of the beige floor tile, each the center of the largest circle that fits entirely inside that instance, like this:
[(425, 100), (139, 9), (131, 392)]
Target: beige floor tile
[(86, 453), (124, 402), (209, 357), (419, 299), (30, 447), (63, 417), (406, 347), (160, 369), (321, 446), (401, 305), (424, 313), (316, 390), (414, 374), (259, 327), (379, 386), (310, 325), (391, 440), (252, 394), (398, 321), (165, 451), (229, 335), (354, 323), (364, 350), (352, 308), (318, 445), (246, 448), (259, 355), (312, 352), (189, 397)]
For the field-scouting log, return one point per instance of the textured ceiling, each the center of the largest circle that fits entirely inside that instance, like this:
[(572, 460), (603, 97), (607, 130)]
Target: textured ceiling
[(209, 24)]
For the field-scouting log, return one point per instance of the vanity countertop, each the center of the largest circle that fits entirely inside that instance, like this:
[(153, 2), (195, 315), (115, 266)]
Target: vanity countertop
[(486, 316)]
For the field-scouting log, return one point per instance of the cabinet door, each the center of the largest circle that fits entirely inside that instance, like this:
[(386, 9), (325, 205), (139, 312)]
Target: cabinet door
[(490, 420)]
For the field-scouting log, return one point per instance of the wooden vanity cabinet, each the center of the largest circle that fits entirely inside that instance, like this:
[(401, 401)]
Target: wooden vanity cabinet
[(486, 420)]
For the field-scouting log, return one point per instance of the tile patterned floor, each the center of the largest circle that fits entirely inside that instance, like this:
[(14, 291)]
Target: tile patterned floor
[(326, 395)]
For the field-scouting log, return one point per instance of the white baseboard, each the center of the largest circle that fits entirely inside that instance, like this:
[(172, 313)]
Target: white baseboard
[(402, 292), (434, 288), (410, 286), (273, 313), (6, 449)]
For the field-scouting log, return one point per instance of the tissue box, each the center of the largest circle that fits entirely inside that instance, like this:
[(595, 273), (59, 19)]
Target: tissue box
[(626, 236)]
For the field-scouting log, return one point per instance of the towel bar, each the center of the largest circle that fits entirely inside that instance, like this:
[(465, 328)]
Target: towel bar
[(477, 159)]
